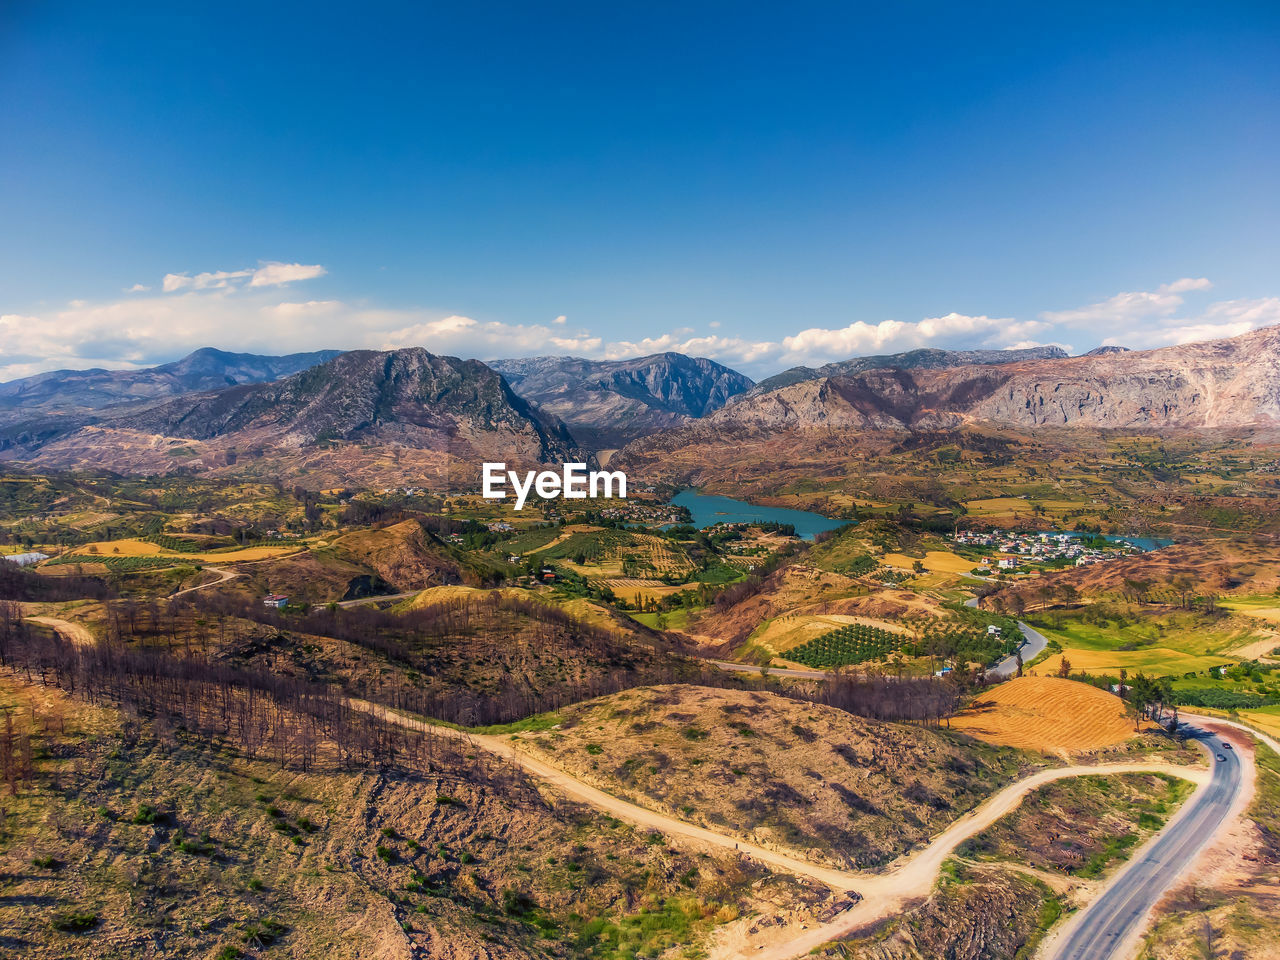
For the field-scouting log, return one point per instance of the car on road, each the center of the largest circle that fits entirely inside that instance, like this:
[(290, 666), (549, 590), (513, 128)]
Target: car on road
[(1221, 757), (1226, 746)]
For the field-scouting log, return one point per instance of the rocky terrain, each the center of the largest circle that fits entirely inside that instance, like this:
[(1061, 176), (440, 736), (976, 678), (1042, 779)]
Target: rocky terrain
[(923, 359), (1222, 384), (78, 391), (458, 413), (609, 403)]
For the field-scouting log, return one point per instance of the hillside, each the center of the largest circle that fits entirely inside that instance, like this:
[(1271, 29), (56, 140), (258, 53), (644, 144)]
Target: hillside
[(134, 837), (443, 415), (609, 403), (926, 358), (847, 791), (78, 391)]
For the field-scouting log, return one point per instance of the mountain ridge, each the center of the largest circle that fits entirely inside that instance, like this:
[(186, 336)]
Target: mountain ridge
[(202, 370), (607, 403), (923, 357), (444, 414), (1232, 383)]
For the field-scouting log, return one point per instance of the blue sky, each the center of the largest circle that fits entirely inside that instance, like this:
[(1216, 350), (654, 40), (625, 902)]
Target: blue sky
[(763, 184)]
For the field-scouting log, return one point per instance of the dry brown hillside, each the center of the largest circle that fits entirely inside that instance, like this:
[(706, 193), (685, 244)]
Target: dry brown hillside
[(132, 839), (1199, 567), (842, 789)]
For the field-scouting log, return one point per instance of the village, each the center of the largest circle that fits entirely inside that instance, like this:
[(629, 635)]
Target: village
[(1058, 549)]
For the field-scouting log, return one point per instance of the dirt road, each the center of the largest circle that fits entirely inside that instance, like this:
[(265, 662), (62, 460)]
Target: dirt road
[(883, 893), (224, 576), (75, 632)]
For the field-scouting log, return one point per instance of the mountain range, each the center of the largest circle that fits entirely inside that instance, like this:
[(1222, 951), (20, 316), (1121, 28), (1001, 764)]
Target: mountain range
[(924, 358), (78, 391), (1231, 384), (610, 403), (371, 416), (437, 417)]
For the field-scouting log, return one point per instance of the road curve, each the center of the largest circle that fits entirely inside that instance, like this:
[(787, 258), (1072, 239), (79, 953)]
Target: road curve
[(1033, 644), (1096, 933), (1107, 927), (223, 576), (909, 877)]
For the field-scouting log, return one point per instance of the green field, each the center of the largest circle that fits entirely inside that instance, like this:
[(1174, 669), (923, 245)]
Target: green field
[(1157, 643)]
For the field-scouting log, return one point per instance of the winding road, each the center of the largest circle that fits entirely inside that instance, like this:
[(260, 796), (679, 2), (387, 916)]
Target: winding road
[(882, 894), (1033, 644), (1108, 927), (1101, 931)]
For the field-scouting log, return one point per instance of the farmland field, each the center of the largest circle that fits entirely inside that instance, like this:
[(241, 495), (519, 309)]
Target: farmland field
[(850, 644), (1153, 661), (143, 548), (631, 589), (1047, 713), (1162, 645), (935, 561)]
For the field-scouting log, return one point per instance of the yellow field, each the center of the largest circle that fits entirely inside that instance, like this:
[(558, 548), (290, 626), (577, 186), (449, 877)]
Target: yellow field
[(1268, 614), (630, 588), (1046, 713), (1153, 661), (141, 548), (935, 561)]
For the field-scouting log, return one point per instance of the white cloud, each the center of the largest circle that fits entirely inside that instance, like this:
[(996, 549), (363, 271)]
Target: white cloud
[(268, 274), (1186, 284), (138, 288), (819, 344), (1131, 307), (246, 310), (216, 280), (273, 274)]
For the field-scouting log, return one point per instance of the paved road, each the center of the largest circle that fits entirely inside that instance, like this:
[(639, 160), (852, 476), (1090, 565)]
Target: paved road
[(1033, 644), (1104, 929)]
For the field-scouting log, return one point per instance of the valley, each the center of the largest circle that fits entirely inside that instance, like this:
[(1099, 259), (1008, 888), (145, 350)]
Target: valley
[(282, 667)]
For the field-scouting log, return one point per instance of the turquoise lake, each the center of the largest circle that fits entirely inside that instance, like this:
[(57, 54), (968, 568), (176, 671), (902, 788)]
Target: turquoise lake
[(708, 511)]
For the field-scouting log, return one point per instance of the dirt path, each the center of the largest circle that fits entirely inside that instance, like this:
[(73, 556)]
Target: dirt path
[(75, 632), (224, 576), (883, 894), (908, 878)]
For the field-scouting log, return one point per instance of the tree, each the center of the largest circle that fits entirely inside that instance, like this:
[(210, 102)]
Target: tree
[(1064, 668)]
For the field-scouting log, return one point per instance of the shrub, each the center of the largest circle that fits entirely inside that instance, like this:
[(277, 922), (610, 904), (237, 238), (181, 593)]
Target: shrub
[(264, 932), (517, 903), (75, 921), (146, 814), (386, 854)]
